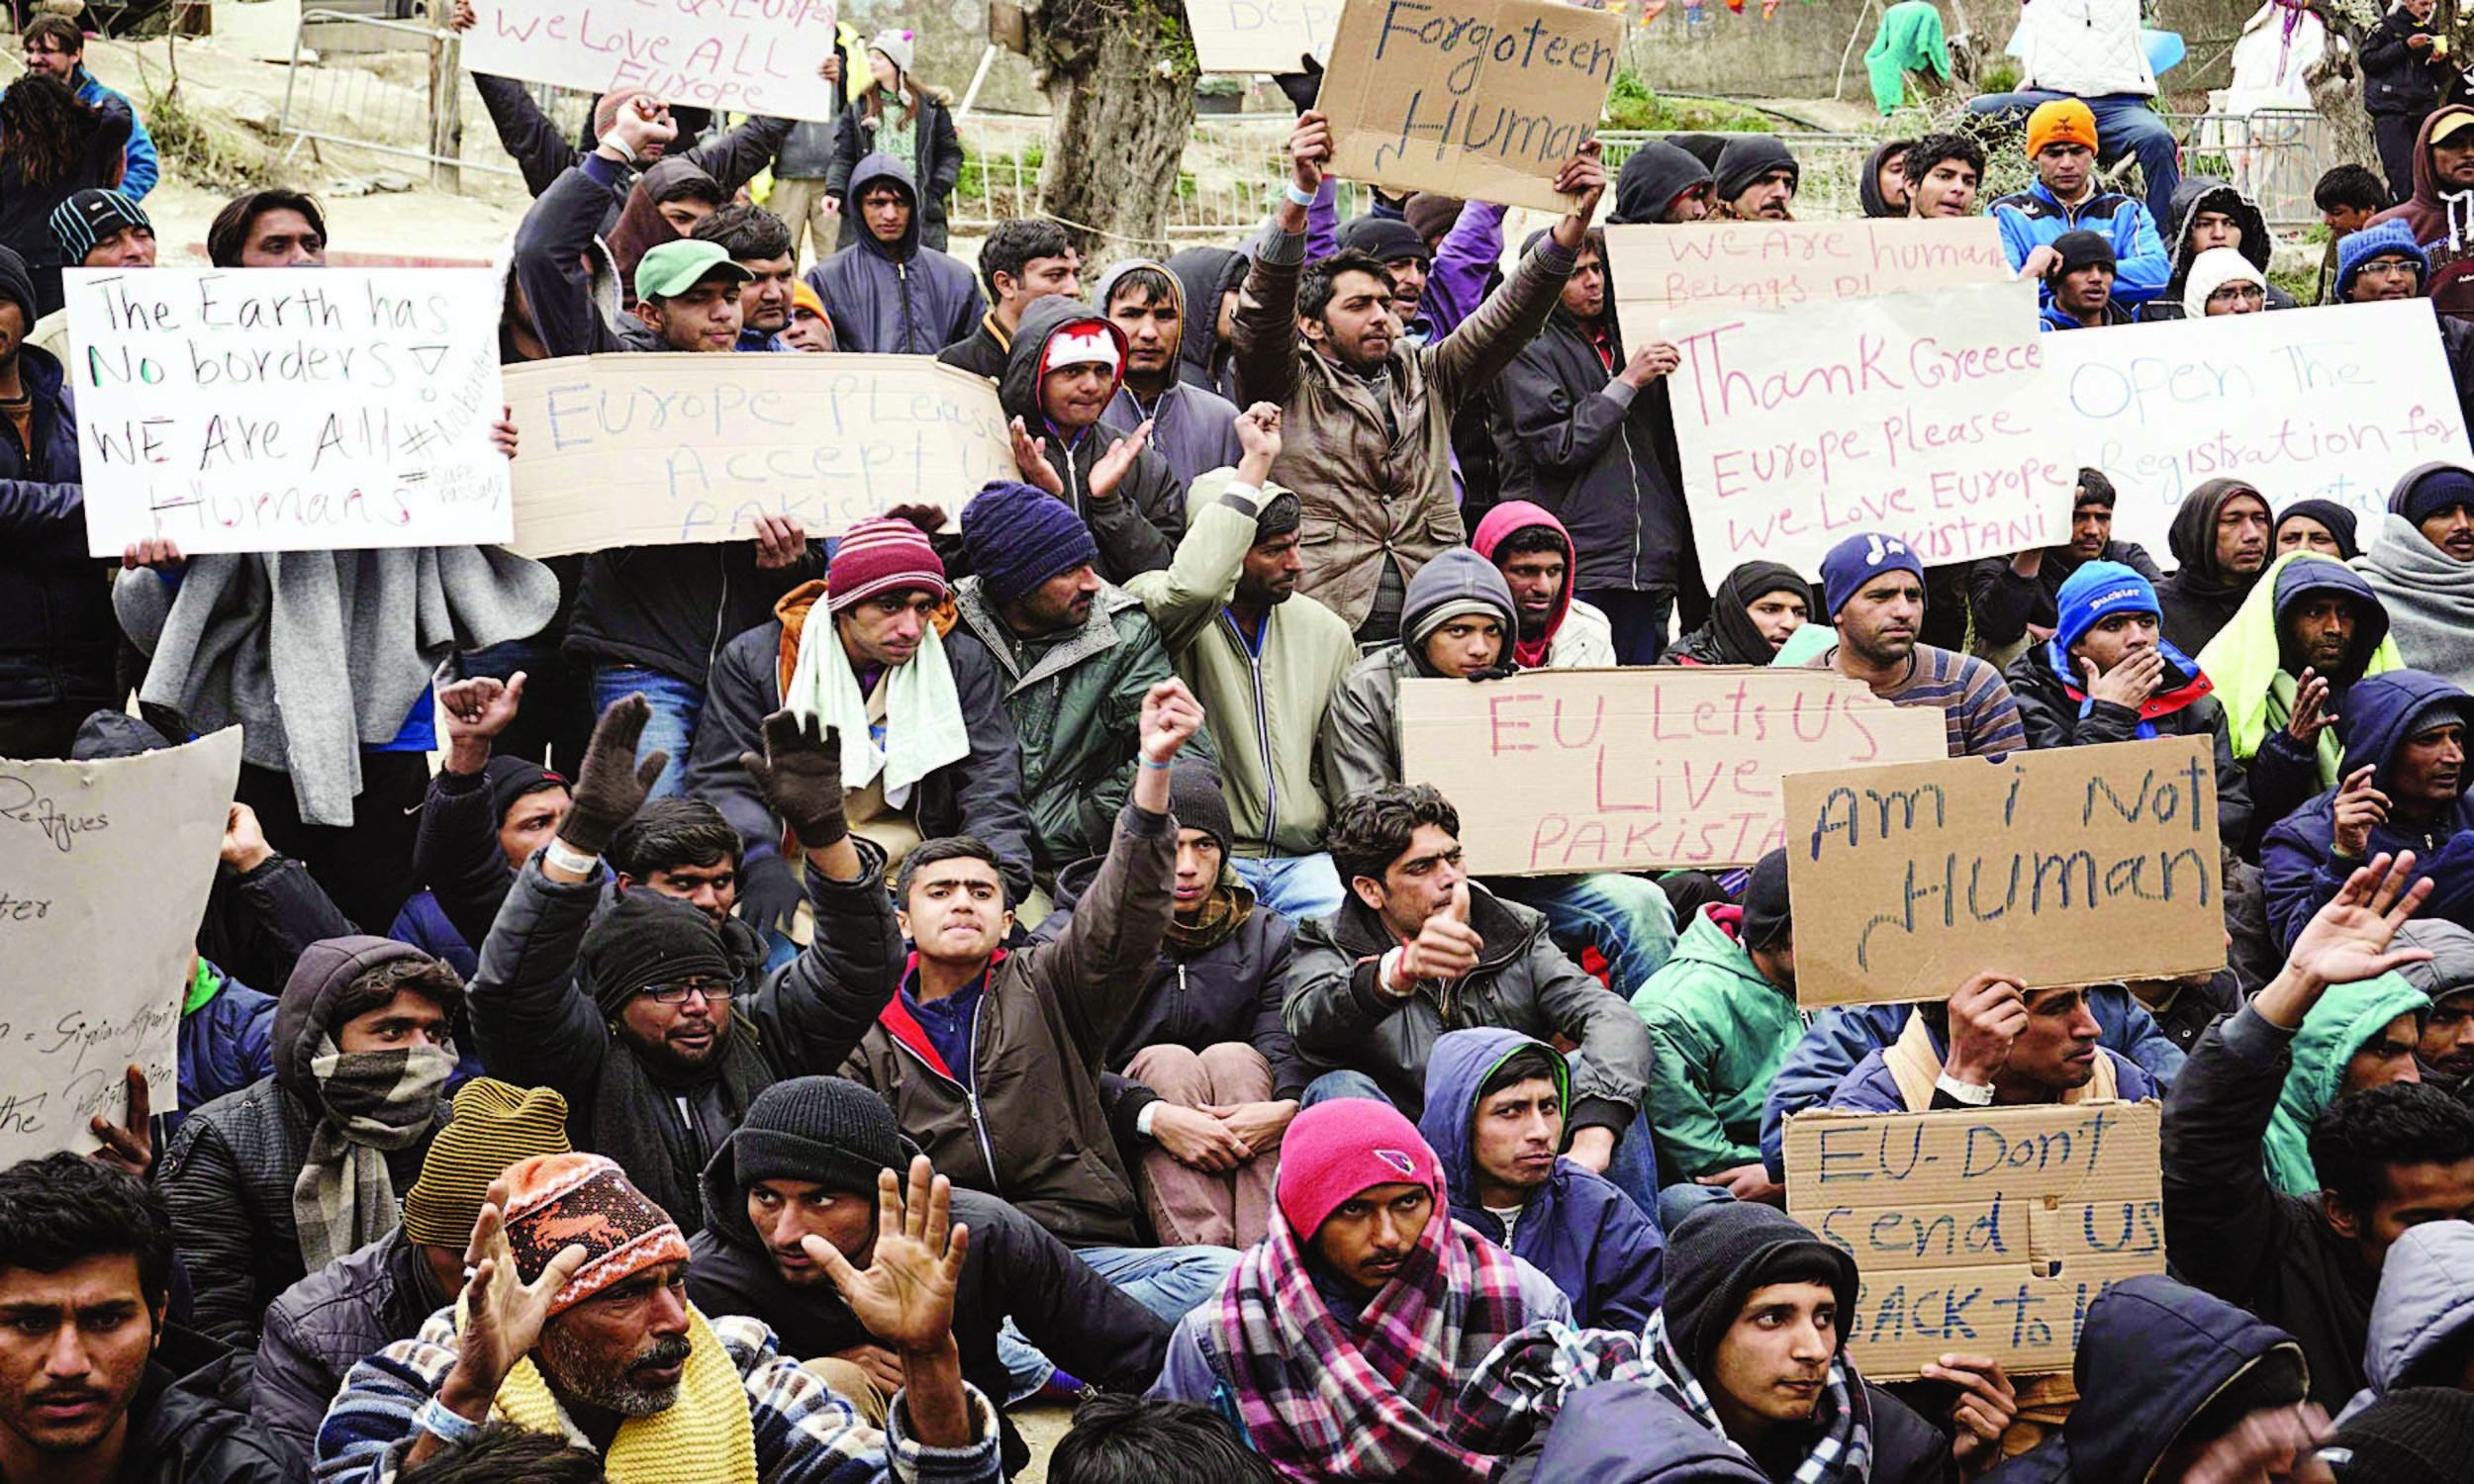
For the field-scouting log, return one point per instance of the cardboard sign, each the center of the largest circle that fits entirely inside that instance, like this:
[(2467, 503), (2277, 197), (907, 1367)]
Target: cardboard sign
[(2329, 404), (1658, 271), (1260, 35), (1481, 99), (104, 871), (1987, 1231), (1925, 417), (667, 450), (288, 408), (757, 56), (2073, 865), (1569, 771)]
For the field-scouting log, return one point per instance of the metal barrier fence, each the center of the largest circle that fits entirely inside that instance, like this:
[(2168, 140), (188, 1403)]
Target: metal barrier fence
[(365, 82), (2276, 154)]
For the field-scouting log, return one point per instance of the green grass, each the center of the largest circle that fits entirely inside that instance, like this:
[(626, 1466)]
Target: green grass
[(1632, 105)]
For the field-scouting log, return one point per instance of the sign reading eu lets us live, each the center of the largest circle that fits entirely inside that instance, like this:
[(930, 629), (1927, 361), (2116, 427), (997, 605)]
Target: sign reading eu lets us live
[(2074, 865), (1987, 1231), (288, 408), (746, 56), (104, 869), (1482, 99)]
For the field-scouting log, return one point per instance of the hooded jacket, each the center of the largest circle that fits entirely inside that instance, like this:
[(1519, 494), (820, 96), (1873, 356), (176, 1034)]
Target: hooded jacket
[(2057, 711), (1653, 176), (1578, 1228), (2428, 594), (2424, 213), (1578, 636), (2347, 1017), (1719, 1031), (1263, 698), (57, 630), (227, 1177), (2196, 194), (2299, 865), (1731, 637), (1193, 428), (1360, 742), (1206, 275), (936, 159), (2033, 218), (2199, 598), (2153, 1355), (2425, 1304), (1342, 1017), (1137, 527), (642, 226), (1869, 185), (906, 299), (1630, 1434)]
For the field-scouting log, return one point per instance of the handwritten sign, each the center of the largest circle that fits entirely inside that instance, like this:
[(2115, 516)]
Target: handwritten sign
[(1927, 416), (1482, 99), (288, 408), (1559, 771), (755, 57), (88, 985), (1989, 1231), (1260, 35), (2074, 865), (1658, 271), (2331, 404), (662, 450)]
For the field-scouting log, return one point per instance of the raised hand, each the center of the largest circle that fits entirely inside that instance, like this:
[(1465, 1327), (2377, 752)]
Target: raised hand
[(906, 1294), (1258, 432), (1583, 178), (1301, 86), (2360, 808), (1109, 470), (482, 706), (1171, 715), (612, 784), (127, 1146), (244, 843), (1030, 456), (2311, 714), (643, 127), (2349, 939), (1310, 151), (504, 1314), (1446, 946), (1986, 1406), (800, 777), (1987, 1014), (781, 542)]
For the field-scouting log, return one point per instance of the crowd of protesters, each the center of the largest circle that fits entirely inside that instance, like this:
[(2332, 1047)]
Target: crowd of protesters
[(765, 1009)]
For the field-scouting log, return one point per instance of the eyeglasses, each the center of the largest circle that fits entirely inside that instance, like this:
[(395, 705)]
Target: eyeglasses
[(675, 994), (2388, 267)]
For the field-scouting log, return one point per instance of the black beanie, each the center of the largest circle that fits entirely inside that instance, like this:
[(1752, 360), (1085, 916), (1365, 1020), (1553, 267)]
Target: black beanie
[(2082, 249), (816, 1131), (1766, 917), (1195, 799), (509, 780), (1721, 1252), (1747, 158), (1388, 239), (17, 285), (2422, 1434), (646, 939)]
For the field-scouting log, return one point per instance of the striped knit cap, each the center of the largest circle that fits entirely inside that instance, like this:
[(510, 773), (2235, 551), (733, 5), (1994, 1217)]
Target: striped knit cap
[(495, 1125), (880, 556), (558, 1201), (90, 216)]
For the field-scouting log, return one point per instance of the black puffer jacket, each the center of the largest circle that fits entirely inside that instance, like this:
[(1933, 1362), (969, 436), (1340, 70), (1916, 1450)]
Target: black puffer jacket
[(57, 631), (228, 1177), (182, 1428), (1139, 528), (2396, 77), (326, 1324)]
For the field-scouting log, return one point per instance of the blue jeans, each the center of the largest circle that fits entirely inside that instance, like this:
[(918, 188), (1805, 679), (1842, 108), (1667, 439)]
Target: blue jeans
[(1167, 1281), (1332, 1084), (2126, 124), (1297, 887), (1638, 618), (1678, 1201), (1628, 919), (672, 727)]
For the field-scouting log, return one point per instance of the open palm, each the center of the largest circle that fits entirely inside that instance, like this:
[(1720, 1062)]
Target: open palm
[(2349, 939), (904, 1296)]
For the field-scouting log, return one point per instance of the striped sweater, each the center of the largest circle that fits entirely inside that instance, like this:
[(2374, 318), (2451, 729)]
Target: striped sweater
[(1977, 710)]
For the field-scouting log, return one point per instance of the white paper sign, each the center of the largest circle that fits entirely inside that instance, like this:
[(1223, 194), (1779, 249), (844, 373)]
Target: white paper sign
[(1260, 35), (104, 873), (2329, 404), (1927, 416), (288, 408), (757, 56), (1672, 269)]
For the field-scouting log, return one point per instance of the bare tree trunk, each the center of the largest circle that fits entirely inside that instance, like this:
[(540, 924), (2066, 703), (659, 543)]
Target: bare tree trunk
[(1119, 75), (2336, 83)]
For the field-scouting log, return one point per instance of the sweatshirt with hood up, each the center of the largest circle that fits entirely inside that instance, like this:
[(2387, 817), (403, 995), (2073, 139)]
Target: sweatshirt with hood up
[(2200, 193), (1653, 176), (902, 298), (2428, 594), (1138, 527), (1360, 741), (1578, 636), (2200, 597), (2424, 213), (2347, 1018), (1193, 428), (1206, 275)]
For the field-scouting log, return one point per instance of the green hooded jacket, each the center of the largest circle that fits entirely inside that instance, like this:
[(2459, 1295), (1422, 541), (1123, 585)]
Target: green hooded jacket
[(2345, 1017), (1718, 1033)]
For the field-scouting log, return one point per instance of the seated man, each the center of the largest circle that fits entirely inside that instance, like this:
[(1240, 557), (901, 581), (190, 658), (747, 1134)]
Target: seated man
[(95, 230), (2223, 281), (2388, 1159), (1193, 428), (93, 1385), (1722, 1018), (2318, 525), (1366, 1301), (2284, 668), (1995, 1043), (1943, 172), (268, 1184), (1555, 629), (1661, 185), (2405, 736), (2079, 284), (2208, 215), (482, 818), (2011, 598), (807, 1163), (940, 750), (2446, 1053), (1077, 655), (2422, 569), (1061, 378), (1263, 666), (2184, 1006), (653, 1016), (1494, 1117), (760, 243), (992, 1058), (366, 1300), (2358, 1036), (1369, 989), (1458, 624), (1217, 1078), (891, 293), (2218, 541), (2093, 60), (576, 1320), (2061, 150), (1022, 259), (2107, 674), (2422, 1316), (1116, 1438), (1873, 589)]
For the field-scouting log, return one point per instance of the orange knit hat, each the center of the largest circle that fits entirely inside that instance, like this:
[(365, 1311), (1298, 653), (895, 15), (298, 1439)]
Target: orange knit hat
[(2064, 121), (554, 1201)]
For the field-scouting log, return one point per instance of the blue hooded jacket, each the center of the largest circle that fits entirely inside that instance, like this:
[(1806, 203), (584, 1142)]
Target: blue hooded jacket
[(1579, 1228), (2033, 218), (2299, 864), (224, 1044)]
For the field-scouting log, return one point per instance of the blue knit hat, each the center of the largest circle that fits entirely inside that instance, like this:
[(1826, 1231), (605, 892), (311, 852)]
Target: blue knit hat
[(2379, 241), (2095, 591), (1859, 559), (1018, 536)]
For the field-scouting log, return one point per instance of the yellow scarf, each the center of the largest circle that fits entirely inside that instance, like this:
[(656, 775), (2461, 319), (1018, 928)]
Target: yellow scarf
[(1915, 1066), (706, 1438)]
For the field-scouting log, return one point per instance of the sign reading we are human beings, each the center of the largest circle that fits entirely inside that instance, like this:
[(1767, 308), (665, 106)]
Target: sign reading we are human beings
[(745, 55), (288, 408), (1658, 271), (1481, 99)]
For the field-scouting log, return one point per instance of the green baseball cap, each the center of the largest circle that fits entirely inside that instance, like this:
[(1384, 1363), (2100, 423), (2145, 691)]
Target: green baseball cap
[(673, 268)]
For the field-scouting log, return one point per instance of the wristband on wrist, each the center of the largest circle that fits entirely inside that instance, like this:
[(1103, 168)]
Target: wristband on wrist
[(1301, 198), (566, 857), (1143, 1120), (1159, 767), (446, 1426), (1965, 1092), (626, 153)]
